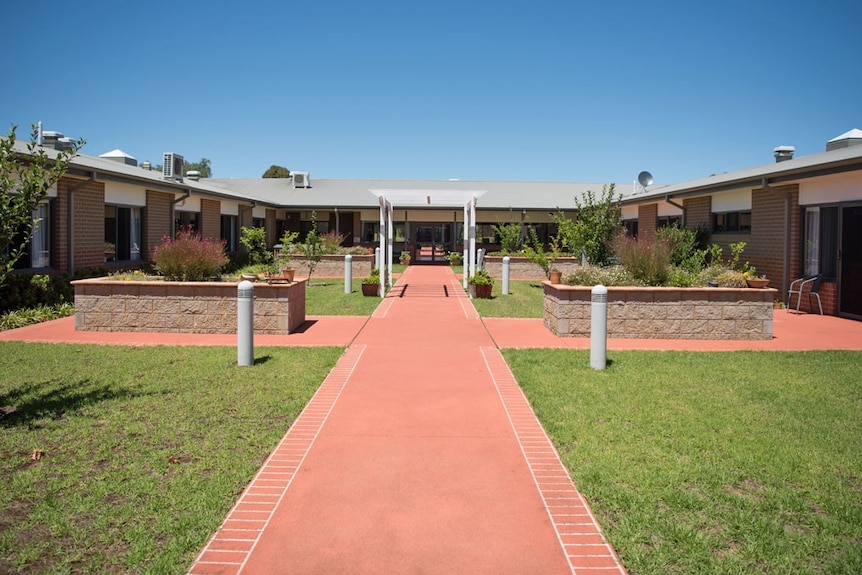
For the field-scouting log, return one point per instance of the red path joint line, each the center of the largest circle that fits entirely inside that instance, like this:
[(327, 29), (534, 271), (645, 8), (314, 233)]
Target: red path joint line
[(578, 532), (240, 532)]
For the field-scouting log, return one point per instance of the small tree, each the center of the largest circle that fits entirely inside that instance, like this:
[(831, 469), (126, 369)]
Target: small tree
[(312, 248), (595, 227), (254, 240), (24, 182), (510, 236)]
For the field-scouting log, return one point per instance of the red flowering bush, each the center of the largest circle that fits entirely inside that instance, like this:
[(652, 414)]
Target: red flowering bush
[(188, 257)]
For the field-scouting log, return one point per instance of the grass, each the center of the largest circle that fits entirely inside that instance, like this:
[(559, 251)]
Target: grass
[(525, 299), (721, 463), (144, 449), (325, 296)]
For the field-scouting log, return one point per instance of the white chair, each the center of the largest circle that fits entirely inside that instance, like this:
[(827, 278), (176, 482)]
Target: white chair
[(808, 285)]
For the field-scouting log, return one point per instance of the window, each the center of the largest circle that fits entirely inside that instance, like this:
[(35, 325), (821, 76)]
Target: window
[(228, 232), (37, 253), (631, 227), (820, 248), (122, 233), (370, 232), (669, 222), (731, 222), (186, 221), (258, 222)]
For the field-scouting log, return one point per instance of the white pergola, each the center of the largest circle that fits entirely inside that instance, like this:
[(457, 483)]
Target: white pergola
[(388, 199)]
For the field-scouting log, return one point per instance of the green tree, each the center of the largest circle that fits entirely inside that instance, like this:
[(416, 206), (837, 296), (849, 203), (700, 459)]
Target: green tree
[(312, 249), (276, 172), (510, 236), (204, 167), (254, 240), (24, 182), (595, 226)]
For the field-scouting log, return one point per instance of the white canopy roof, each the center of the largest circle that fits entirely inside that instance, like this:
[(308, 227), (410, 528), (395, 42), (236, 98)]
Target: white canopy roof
[(436, 198)]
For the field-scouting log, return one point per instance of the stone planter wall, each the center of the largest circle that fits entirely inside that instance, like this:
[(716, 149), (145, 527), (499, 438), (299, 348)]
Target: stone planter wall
[(520, 268), (663, 313), (333, 267), (184, 307)]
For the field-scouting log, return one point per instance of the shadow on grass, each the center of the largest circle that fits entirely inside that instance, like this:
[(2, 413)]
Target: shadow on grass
[(51, 400)]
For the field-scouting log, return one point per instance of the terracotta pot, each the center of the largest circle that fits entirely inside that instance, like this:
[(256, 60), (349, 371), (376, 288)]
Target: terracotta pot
[(288, 274), (370, 289), (556, 277), (482, 291), (757, 283)]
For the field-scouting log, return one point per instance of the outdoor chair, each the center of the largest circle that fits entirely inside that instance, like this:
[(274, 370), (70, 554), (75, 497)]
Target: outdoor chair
[(806, 285)]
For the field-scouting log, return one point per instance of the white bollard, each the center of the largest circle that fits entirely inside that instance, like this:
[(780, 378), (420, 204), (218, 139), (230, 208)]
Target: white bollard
[(348, 273), (599, 327), (377, 258), (506, 261), (245, 323)]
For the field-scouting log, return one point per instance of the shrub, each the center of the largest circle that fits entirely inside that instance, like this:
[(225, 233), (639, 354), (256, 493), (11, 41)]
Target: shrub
[(648, 262), (27, 316), (731, 279), (509, 236), (595, 226), (188, 257), (607, 276), (455, 258), (254, 240), (687, 246), (373, 278), (331, 242)]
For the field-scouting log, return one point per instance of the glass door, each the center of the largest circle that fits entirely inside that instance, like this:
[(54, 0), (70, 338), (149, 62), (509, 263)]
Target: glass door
[(850, 262), (432, 241)]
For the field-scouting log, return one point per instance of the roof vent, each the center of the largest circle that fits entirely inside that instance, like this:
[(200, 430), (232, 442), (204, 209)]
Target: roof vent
[(172, 168), (300, 180), (56, 140), (120, 156), (783, 153), (194, 175), (845, 140)]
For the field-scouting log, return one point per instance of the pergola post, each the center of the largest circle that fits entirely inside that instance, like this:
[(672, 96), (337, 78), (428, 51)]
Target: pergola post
[(472, 237), (465, 245), (382, 239), (390, 238)]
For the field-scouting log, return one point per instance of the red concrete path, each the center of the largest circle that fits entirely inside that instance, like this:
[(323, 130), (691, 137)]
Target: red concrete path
[(419, 454)]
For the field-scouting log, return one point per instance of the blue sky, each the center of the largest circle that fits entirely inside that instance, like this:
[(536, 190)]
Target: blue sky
[(535, 91)]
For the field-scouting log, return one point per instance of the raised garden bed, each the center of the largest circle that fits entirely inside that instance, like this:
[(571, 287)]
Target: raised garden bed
[(333, 266), (663, 312), (105, 304), (520, 268)]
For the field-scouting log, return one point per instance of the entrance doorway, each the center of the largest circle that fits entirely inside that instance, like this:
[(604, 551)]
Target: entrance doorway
[(432, 242), (850, 262)]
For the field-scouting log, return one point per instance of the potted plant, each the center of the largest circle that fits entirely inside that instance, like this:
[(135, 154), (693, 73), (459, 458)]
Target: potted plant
[(556, 276), (404, 258), (454, 258), (371, 284), (753, 280), (482, 284)]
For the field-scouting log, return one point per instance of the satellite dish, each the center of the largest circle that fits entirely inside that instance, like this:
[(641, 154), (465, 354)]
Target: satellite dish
[(645, 179)]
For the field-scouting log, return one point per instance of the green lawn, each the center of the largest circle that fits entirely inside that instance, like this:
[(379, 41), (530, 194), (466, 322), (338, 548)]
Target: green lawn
[(325, 296), (145, 449), (525, 299), (718, 463)]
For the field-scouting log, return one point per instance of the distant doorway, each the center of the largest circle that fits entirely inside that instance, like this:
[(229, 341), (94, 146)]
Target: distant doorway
[(850, 262), (432, 242)]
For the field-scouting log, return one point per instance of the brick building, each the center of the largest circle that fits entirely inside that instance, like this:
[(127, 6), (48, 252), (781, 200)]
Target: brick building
[(798, 216)]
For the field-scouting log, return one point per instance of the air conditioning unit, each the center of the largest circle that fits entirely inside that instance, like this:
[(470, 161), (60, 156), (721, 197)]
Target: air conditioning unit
[(300, 180), (172, 167)]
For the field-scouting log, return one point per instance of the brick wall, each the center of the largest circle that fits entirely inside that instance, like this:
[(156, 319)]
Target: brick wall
[(184, 307), (157, 221), (698, 213), (663, 313), (210, 224), (271, 228), (88, 243), (647, 220), (765, 249)]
